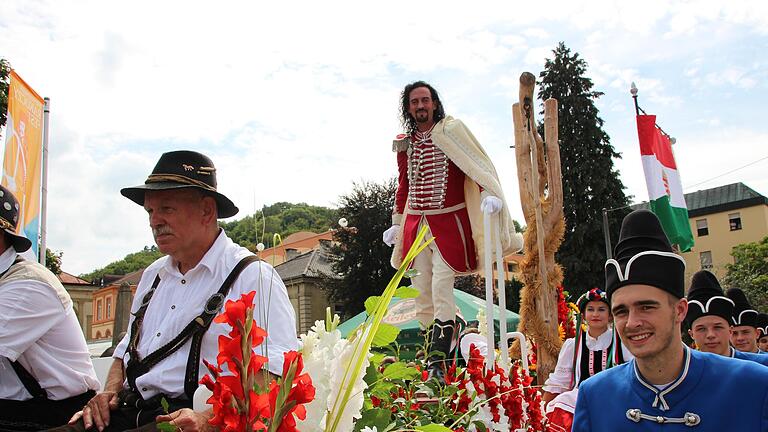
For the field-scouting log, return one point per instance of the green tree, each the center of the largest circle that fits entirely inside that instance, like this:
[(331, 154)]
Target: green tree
[(361, 258), (53, 261), (131, 262), (749, 272), (590, 182), (5, 71), (280, 218)]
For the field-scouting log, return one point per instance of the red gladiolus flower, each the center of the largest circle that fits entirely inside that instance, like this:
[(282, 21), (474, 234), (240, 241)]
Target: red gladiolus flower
[(238, 409)]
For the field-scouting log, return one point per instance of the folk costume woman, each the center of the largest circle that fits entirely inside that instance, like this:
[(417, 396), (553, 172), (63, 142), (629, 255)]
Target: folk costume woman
[(595, 348)]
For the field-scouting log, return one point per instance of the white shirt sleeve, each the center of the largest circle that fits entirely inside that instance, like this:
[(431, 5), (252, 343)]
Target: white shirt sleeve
[(274, 313), (559, 381), (28, 309)]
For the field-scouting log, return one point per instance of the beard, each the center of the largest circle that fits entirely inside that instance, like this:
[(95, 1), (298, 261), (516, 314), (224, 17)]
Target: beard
[(422, 116)]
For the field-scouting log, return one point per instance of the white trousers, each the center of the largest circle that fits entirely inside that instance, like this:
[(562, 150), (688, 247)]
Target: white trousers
[(435, 283)]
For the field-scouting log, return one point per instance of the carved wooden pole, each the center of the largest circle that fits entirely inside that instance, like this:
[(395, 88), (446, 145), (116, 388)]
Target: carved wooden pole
[(541, 194)]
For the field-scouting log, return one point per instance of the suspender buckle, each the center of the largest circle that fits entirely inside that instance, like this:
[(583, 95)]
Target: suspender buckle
[(214, 304)]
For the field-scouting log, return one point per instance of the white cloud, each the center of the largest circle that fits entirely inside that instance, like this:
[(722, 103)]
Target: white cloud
[(295, 101)]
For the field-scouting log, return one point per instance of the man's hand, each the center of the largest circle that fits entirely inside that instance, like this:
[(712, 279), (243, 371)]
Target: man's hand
[(187, 420), (490, 205), (96, 411), (390, 235)]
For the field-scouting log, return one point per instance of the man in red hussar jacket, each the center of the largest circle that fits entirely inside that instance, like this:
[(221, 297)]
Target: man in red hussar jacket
[(446, 182)]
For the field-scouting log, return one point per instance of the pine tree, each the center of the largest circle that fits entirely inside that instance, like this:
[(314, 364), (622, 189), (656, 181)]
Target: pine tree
[(590, 182)]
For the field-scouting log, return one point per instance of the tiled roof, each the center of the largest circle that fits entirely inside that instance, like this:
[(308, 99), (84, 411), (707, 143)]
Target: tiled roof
[(314, 263), (70, 279), (718, 199), (130, 278)]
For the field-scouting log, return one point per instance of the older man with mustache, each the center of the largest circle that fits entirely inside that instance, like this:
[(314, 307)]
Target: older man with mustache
[(162, 355)]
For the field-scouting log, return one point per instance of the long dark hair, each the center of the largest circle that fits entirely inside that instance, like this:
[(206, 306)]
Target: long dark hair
[(406, 120)]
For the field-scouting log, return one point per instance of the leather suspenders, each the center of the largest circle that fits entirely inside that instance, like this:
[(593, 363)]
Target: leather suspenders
[(195, 330)]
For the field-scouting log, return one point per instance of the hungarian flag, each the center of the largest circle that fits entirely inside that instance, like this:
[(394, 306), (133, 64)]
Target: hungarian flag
[(665, 191)]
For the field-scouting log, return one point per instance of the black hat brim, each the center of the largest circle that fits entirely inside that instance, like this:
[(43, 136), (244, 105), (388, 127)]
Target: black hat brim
[(225, 207), (19, 243)]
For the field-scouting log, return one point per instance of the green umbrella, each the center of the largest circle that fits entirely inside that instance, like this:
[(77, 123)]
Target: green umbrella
[(402, 314)]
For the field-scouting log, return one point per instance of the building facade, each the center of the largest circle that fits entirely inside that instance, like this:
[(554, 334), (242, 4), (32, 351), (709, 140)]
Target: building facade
[(81, 292), (722, 218), (107, 301)]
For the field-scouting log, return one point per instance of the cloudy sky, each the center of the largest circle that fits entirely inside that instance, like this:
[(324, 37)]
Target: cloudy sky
[(296, 100)]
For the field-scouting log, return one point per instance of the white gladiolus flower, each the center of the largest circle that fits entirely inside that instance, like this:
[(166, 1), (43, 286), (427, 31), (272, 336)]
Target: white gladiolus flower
[(326, 358)]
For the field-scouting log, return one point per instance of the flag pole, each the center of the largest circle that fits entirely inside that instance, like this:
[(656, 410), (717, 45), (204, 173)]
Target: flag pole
[(638, 110), (633, 90), (44, 190)]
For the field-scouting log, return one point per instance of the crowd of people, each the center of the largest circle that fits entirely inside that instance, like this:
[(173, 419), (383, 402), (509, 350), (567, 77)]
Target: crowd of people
[(627, 368)]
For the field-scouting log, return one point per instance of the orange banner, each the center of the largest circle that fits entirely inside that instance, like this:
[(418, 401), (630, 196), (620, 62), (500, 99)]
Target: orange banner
[(23, 154)]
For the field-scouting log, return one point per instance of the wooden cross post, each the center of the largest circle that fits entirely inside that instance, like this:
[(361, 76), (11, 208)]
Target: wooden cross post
[(541, 194)]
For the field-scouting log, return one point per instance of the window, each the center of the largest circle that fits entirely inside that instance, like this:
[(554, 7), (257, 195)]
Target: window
[(338, 309), (98, 310), (512, 267), (109, 307), (701, 227), (706, 260), (734, 221)]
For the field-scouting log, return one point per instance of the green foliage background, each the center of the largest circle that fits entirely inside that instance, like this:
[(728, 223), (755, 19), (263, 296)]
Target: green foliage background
[(749, 272), (279, 218)]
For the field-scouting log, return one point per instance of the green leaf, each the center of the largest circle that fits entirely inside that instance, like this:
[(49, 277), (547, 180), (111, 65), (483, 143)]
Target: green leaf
[(407, 292), (166, 427), (370, 304), (381, 390), (479, 426), (376, 358), (434, 427), (371, 374), (164, 404), (385, 335), (376, 417), (400, 371)]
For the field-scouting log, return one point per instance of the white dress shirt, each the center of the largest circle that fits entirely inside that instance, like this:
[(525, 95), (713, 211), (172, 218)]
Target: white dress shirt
[(179, 298), (43, 334)]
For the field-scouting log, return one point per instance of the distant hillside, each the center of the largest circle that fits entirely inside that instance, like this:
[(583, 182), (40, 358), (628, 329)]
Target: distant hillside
[(131, 262), (282, 218)]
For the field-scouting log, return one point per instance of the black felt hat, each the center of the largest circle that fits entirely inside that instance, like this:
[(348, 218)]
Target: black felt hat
[(762, 325), (706, 297), (9, 220), (743, 313), (183, 169), (644, 256)]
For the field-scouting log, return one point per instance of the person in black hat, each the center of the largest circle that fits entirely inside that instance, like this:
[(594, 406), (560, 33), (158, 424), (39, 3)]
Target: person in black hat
[(45, 370), (744, 333), (762, 333), (667, 386), (708, 318), (161, 356)]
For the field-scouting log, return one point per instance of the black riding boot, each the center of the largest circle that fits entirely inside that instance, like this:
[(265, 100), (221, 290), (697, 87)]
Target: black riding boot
[(442, 335)]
